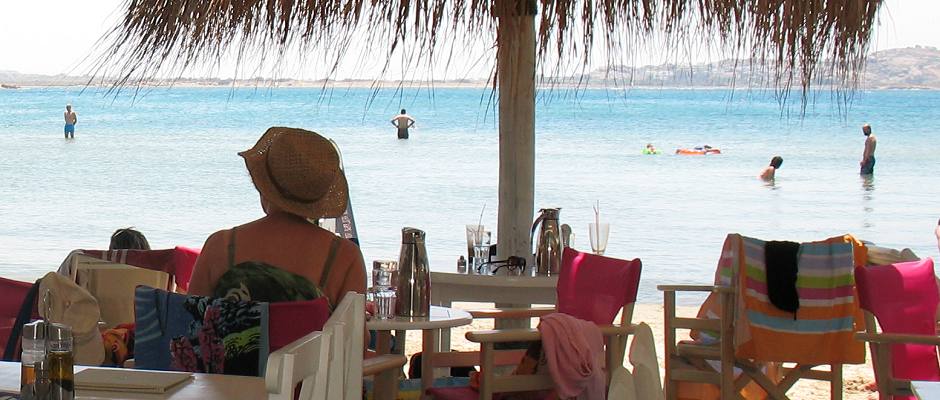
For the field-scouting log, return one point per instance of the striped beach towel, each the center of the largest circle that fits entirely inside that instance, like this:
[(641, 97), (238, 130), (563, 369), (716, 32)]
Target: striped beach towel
[(821, 331)]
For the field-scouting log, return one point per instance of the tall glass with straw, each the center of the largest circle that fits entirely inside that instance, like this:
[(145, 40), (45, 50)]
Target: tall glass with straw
[(598, 232)]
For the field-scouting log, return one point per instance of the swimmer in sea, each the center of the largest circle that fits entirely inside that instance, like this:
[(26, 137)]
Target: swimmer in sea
[(768, 173), (71, 118), (403, 121)]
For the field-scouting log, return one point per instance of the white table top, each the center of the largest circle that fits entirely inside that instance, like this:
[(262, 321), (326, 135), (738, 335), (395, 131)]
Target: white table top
[(203, 387), (926, 390), (441, 317)]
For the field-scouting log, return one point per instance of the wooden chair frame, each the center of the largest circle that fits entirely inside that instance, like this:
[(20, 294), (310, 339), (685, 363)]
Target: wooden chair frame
[(880, 346), (686, 361), (488, 358)]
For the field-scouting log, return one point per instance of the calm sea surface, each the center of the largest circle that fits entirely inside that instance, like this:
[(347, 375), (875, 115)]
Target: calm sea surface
[(166, 163)]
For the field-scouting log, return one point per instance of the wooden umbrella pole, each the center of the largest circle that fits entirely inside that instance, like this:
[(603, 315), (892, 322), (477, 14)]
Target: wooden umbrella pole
[(515, 61)]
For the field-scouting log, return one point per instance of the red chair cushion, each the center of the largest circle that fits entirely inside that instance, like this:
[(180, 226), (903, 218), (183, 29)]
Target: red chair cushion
[(291, 320), (594, 288), (903, 297)]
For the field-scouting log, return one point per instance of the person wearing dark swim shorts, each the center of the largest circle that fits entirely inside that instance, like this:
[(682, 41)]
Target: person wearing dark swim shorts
[(867, 165), (403, 121)]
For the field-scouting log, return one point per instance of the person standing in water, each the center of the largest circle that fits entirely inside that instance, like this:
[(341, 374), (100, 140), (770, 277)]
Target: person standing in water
[(403, 121), (868, 156), (71, 118), (768, 173)]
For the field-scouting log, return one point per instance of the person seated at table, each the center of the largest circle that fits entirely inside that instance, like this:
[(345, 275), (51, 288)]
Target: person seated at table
[(285, 256), (128, 239)]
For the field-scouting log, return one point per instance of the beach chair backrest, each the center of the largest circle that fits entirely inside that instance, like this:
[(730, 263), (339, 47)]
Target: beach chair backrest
[(178, 262), (595, 288), (346, 347), (113, 284), (304, 361), (903, 298)]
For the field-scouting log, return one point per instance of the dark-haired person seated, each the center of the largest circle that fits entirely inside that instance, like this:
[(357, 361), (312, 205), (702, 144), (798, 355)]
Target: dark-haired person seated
[(128, 239), (283, 256)]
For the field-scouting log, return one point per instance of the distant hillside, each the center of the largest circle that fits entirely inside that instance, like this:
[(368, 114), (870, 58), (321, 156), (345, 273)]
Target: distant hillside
[(908, 68), (913, 67)]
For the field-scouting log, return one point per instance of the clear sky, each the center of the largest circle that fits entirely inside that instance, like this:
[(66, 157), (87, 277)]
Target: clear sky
[(55, 36)]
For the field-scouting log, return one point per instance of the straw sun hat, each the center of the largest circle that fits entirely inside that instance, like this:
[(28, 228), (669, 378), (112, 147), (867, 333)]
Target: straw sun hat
[(298, 171)]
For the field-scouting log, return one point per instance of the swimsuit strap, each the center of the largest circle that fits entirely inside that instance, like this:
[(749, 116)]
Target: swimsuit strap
[(231, 249), (328, 265)]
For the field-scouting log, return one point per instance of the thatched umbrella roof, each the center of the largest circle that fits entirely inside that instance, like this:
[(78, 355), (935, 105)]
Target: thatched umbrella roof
[(795, 39)]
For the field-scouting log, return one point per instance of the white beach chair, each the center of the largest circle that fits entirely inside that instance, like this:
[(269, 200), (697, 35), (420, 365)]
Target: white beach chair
[(330, 363), (303, 361)]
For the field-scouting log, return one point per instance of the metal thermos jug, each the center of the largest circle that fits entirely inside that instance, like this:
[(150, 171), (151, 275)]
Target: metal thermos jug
[(548, 243), (414, 278)]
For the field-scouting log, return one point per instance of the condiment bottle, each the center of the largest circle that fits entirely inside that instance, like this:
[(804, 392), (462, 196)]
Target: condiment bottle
[(60, 360), (461, 265)]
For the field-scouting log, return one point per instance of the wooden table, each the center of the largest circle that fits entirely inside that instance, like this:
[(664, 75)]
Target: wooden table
[(926, 390), (203, 387), (440, 318), (504, 290), (447, 288)]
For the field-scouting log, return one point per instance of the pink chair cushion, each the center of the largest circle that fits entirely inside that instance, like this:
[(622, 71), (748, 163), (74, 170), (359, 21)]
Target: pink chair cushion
[(453, 393), (903, 297), (291, 320), (184, 259), (13, 294), (595, 288)]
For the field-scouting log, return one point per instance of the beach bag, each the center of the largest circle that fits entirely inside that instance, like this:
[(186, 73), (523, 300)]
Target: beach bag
[(200, 334)]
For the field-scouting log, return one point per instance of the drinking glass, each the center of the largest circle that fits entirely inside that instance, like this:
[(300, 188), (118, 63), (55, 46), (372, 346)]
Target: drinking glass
[(599, 232), (384, 274), (472, 230), (481, 251), (385, 303)]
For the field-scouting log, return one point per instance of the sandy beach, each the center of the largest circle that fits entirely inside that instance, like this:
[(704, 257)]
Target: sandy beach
[(855, 377)]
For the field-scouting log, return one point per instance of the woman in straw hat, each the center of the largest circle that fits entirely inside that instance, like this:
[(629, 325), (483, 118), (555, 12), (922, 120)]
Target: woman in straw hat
[(283, 256)]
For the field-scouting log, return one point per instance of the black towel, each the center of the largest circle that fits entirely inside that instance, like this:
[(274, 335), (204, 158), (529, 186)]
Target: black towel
[(781, 261)]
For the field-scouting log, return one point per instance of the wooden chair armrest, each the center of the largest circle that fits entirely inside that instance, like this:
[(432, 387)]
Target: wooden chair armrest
[(694, 288), (378, 364), (532, 335), (511, 313), (896, 338)]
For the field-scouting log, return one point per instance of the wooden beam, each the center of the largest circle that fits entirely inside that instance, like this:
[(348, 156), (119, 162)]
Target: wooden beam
[(515, 64)]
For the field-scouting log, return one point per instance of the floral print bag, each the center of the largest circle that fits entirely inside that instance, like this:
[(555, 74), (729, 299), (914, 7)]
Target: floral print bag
[(200, 334)]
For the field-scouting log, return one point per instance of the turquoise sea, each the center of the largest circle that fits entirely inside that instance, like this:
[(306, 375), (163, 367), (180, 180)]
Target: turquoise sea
[(165, 162)]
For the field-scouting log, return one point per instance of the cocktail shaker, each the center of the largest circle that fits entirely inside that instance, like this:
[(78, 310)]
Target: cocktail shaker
[(414, 277)]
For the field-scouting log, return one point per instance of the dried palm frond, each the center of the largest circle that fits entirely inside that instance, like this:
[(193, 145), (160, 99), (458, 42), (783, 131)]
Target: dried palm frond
[(794, 39)]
